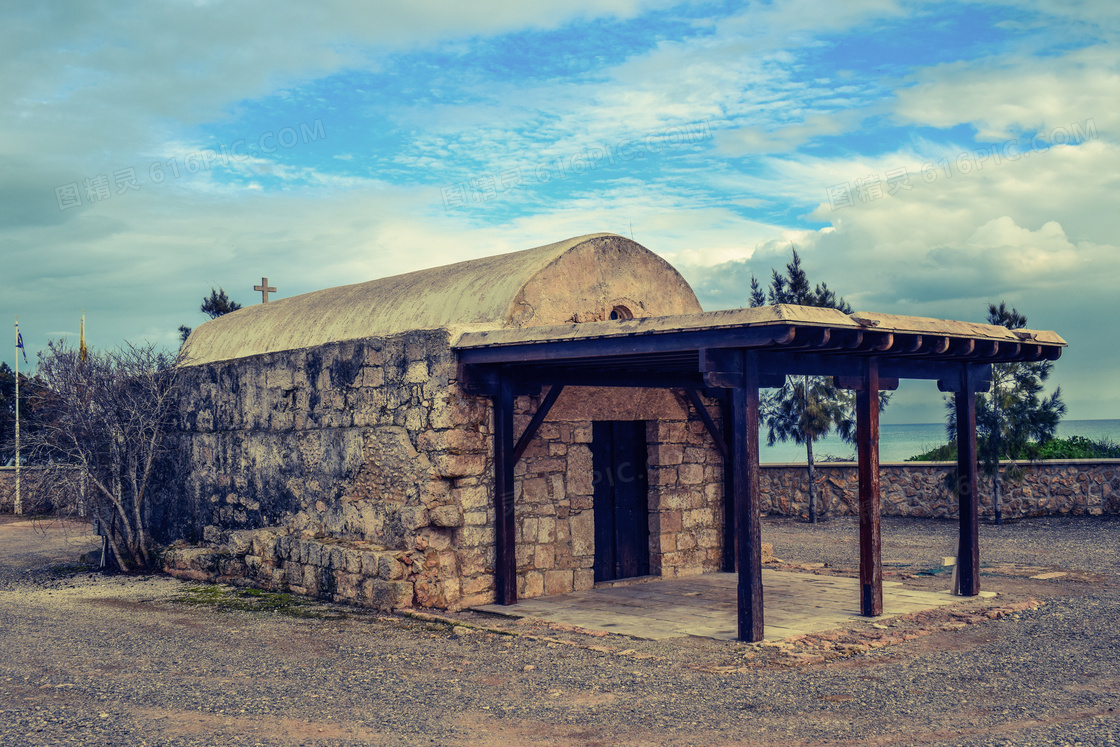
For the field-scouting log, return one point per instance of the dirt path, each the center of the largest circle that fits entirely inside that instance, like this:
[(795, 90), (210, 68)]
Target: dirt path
[(93, 660)]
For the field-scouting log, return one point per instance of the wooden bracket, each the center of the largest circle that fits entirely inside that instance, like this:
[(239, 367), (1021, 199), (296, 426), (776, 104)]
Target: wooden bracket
[(855, 383), (980, 373)]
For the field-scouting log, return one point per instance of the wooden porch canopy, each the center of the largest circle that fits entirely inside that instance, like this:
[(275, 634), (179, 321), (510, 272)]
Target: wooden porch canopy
[(731, 355)]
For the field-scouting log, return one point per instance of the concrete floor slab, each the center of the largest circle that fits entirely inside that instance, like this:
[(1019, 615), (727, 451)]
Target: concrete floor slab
[(795, 603)]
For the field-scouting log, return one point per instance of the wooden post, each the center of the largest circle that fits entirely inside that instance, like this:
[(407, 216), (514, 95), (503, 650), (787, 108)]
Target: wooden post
[(747, 497), (729, 531), (505, 559), (867, 442), (968, 550)]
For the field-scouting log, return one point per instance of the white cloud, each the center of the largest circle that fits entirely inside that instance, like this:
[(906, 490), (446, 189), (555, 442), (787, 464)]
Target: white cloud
[(1005, 97)]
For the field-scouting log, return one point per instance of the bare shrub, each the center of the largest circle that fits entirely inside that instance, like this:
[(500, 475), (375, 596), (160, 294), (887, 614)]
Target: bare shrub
[(104, 420)]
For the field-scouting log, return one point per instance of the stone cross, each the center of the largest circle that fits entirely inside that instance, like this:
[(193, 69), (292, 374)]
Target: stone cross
[(265, 289)]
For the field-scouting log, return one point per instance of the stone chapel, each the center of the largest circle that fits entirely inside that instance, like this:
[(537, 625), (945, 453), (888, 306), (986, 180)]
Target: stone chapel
[(526, 424), (328, 445)]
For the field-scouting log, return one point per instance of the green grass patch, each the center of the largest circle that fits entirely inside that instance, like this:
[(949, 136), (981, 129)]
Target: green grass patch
[(227, 599)]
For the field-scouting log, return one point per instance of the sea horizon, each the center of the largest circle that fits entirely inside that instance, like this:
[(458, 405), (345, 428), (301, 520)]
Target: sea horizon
[(899, 442)]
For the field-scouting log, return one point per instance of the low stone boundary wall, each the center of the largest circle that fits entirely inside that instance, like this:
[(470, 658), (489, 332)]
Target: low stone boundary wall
[(1076, 486), (41, 490)]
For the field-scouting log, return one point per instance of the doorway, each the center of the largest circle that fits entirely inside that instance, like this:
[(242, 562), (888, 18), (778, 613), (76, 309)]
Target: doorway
[(621, 493)]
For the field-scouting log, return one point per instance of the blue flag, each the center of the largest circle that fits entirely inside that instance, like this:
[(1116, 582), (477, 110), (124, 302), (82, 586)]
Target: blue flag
[(19, 345)]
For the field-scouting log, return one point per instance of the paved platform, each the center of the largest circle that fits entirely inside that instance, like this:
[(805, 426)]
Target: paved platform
[(705, 605)]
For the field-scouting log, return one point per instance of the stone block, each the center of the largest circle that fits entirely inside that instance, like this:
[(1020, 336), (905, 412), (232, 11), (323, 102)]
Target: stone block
[(698, 455), (527, 531), (413, 517), (534, 490), (416, 373), (389, 568), (544, 557), (665, 455), (472, 498), (580, 473), (531, 584), (524, 556), (476, 536), (459, 465), (476, 518), (347, 586), (370, 562), (558, 582), (477, 561), (266, 544), (193, 558), (310, 580), (584, 578), (387, 595), (445, 516), (477, 585), (662, 476), (582, 526), (352, 560), (691, 474)]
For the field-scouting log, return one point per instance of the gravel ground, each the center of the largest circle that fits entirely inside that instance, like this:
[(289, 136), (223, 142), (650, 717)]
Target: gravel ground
[(87, 659)]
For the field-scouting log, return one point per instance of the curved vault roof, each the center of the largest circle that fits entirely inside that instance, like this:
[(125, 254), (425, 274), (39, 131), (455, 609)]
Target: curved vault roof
[(579, 280)]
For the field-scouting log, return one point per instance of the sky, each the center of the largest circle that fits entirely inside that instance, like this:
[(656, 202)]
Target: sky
[(924, 158)]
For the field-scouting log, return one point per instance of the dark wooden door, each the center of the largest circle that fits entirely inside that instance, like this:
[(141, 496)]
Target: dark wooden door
[(618, 449)]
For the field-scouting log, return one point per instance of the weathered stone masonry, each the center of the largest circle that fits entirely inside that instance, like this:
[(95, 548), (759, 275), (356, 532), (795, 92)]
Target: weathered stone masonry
[(347, 471), (359, 471)]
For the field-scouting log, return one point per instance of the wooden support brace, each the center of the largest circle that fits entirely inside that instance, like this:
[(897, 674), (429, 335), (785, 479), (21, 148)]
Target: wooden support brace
[(706, 418), (535, 423)]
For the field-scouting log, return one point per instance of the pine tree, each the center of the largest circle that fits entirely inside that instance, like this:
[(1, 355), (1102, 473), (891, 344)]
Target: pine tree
[(218, 304), (215, 305), (806, 408), (1012, 414)]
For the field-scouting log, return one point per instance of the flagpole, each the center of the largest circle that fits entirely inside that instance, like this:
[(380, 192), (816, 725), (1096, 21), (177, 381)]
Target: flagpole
[(17, 508)]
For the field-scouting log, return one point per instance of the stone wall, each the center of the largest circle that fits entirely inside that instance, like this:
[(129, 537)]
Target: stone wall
[(686, 498), (1079, 486), (360, 471), (347, 471), (41, 490), (555, 482)]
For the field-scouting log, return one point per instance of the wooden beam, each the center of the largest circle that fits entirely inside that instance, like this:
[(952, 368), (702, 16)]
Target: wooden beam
[(968, 550), (505, 558), (633, 345), (535, 423), (744, 460), (855, 383), (867, 442), (553, 375)]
